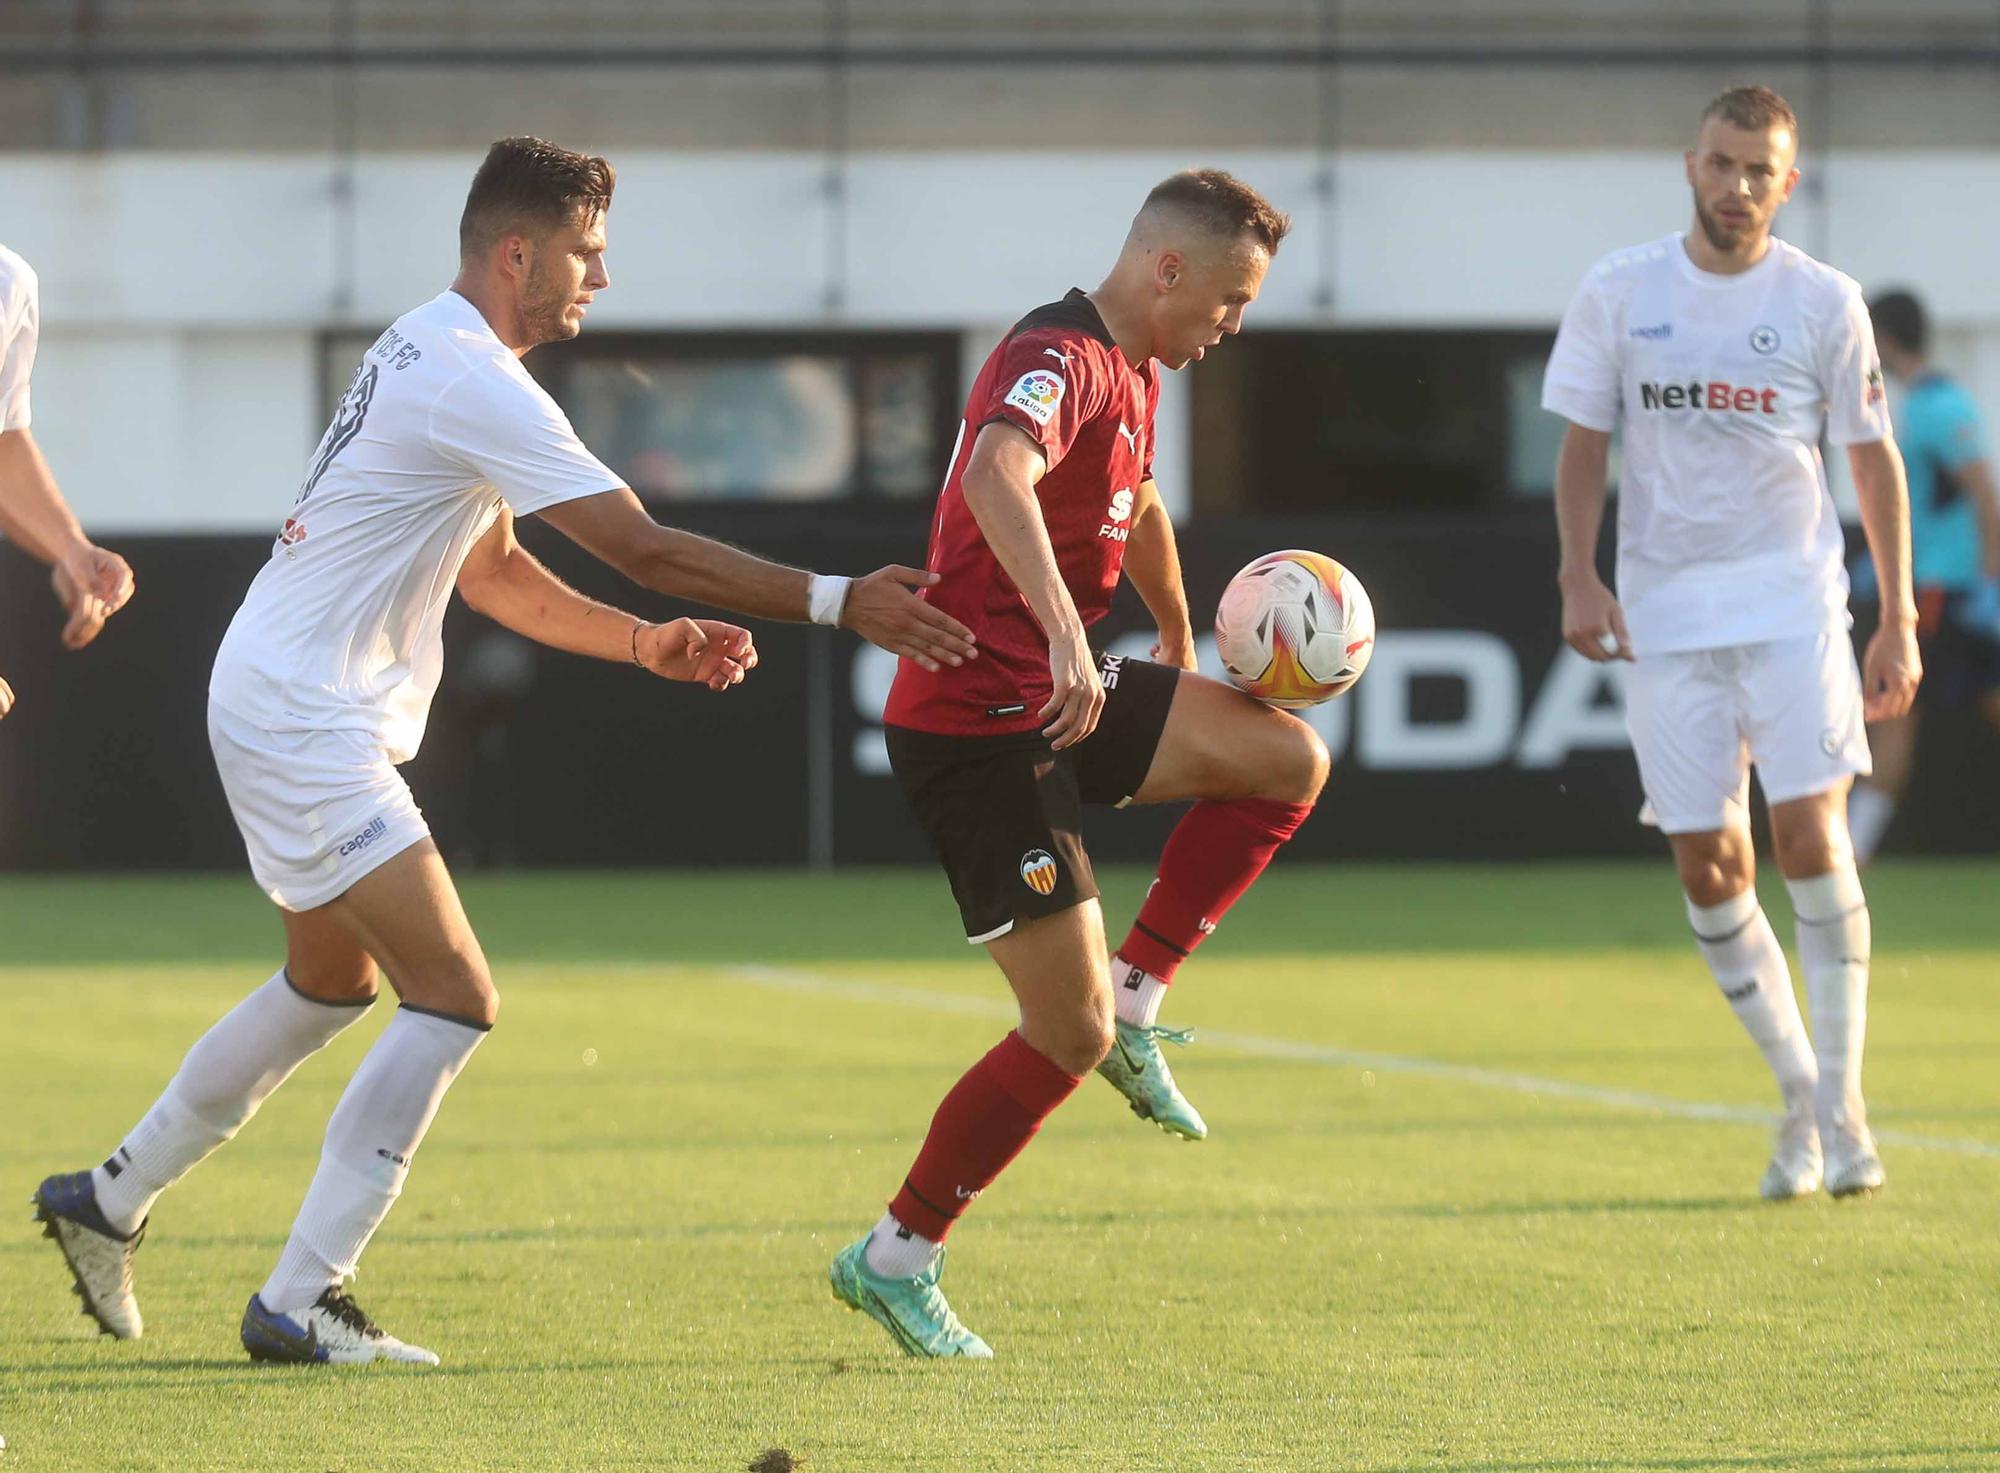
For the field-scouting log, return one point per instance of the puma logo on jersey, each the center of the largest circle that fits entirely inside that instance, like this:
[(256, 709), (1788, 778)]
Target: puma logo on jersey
[(1118, 513), (1131, 440), (1715, 394)]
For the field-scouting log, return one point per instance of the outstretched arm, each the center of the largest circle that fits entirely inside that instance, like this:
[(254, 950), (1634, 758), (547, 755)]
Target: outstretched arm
[(93, 584), (882, 608), (507, 583), (1153, 563)]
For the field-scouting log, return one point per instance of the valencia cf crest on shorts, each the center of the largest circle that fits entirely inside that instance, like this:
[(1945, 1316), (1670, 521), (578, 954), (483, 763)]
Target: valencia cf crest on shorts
[(1038, 870)]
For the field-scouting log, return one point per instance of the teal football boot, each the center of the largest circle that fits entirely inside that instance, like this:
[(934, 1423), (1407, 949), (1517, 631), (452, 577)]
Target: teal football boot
[(1137, 1071), (913, 1310)]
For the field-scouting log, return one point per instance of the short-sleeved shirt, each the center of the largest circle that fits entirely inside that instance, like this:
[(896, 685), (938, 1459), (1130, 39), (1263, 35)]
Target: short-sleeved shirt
[(1060, 377), (343, 627), (1940, 435), (1727, 534), (20, 329)]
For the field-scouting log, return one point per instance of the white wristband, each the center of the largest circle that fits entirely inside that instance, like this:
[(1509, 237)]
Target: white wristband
[(826, 596)]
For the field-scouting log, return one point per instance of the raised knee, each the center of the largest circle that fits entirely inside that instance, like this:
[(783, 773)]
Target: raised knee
[(345, 982), (483, 1002), (1087, 1049), (1306, 765), (1080, 1043), (463, 989)]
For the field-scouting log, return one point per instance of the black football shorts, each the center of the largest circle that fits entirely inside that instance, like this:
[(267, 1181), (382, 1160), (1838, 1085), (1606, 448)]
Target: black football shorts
[(1004, 812)]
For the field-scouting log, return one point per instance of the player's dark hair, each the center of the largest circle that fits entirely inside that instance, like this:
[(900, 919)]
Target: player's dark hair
[(530, 184), (1221, 204), (1901, 318), (1753, 109)]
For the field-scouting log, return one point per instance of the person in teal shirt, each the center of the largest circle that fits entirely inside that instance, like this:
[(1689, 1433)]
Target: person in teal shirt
[(1955, 558)]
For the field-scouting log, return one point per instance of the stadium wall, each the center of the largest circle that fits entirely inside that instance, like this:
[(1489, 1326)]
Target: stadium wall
[(184, 296)]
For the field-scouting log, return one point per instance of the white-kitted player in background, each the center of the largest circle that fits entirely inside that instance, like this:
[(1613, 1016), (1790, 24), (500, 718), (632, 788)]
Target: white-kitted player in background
[(323, 686), (1727, 353), (93, 584)]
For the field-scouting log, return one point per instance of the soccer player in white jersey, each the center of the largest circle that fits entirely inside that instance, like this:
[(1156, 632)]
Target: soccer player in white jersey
[(1727, 353), (93, 584), (323, 685)]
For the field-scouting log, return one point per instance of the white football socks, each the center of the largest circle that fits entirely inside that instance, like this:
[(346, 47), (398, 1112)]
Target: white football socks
[(898, 1252), (1869, 810), (1136, 993), (1834, 943), (229, 1072), (375, 1130), (1742, 951)]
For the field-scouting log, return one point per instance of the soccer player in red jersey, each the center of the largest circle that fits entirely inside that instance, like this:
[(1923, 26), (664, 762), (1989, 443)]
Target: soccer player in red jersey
[(1048, 499)]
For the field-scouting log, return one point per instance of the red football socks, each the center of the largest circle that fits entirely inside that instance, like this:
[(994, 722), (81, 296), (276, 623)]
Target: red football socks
[(984, 1123), (1211, 858)]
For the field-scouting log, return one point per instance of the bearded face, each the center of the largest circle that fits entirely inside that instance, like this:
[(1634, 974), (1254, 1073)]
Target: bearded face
[(564, 274), (1740, 177)]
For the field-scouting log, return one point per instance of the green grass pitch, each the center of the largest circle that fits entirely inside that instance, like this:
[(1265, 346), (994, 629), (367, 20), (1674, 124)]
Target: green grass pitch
[(1480, 1193)]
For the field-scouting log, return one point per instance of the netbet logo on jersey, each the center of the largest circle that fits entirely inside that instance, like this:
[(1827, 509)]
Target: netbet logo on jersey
[(1716, 394)]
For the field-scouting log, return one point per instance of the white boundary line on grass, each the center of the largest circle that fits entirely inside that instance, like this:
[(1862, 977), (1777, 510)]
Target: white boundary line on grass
[(1258, 1046)]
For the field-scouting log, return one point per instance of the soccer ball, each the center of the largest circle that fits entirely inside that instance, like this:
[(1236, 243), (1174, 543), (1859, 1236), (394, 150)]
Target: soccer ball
[(1295, 628)]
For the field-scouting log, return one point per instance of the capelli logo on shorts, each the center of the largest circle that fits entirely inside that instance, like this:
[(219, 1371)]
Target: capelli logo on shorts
[(366, 837), (1038, 870)]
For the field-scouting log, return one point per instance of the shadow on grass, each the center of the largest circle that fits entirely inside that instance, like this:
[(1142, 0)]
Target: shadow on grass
[(149, 1375), (155, 1375), (831, 1232), (1587, 1207)]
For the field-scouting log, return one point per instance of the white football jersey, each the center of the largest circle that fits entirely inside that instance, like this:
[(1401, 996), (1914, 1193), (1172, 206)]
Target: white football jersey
[(20, 328), (343, 627), (1727, 534)]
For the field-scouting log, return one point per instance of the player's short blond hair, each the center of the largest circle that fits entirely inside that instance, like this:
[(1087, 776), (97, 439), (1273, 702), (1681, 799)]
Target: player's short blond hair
[(1220, 204), (1754, 109)]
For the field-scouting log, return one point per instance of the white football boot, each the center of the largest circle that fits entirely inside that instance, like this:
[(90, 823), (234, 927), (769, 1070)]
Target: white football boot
[(1795, 1157), (1853, 1168), (333, 1330), (99, 1257)]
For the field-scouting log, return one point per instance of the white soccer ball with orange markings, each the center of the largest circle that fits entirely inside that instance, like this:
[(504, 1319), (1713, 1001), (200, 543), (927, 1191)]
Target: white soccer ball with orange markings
[(1295, 628)]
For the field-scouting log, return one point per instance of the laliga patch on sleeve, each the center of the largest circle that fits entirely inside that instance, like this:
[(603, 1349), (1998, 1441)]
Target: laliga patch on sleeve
[(1036, 394)]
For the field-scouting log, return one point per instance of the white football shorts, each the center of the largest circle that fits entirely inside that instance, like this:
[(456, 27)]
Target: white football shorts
[(318, 809), (1699, 719)]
